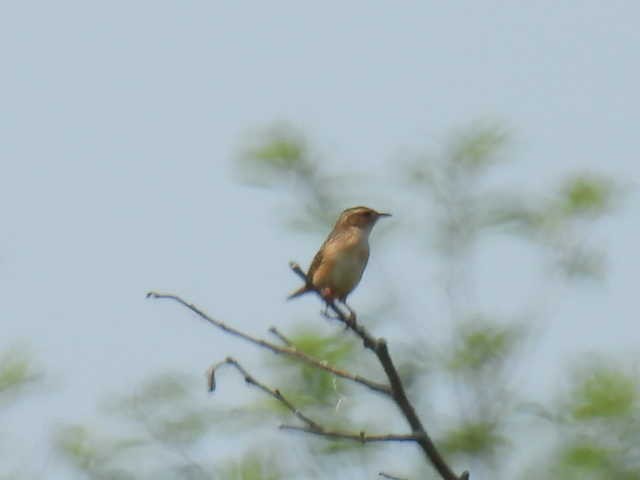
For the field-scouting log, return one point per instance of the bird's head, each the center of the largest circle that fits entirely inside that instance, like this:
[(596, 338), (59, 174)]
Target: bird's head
[(360, 217)]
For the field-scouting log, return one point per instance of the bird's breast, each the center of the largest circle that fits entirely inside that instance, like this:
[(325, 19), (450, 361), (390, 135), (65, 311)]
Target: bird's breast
[(347, 269)]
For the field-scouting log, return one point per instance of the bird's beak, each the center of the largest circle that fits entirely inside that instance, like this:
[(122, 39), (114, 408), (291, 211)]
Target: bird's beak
[(383, 214)]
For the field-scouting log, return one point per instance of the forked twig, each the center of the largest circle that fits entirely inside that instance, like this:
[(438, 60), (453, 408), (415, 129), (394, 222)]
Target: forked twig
[(287, 351), (311, 426)]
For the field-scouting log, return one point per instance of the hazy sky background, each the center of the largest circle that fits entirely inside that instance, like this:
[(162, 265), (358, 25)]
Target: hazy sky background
[(120, 121)]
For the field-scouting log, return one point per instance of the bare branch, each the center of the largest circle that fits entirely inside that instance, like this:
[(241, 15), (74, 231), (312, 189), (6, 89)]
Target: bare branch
[(291, 352), (275, 393), (311, 426), (379, 347), (358, 437), (211, 375), (280, 336), (405, 406)]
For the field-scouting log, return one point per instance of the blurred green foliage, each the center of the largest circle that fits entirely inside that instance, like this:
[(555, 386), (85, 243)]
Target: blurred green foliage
[(480, 345), (587, 194), (276, 155), (320, 394), (469, 154), (462, 204), (309, 385), (164, 406), (94, 456), (475, 149), (603, 392), (17, 372), (159, 426), (279, 156), (19, 375), (474, 438), (252, 466), (453, 185), (601, 427)]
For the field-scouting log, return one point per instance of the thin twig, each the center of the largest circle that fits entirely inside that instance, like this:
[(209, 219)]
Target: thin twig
[(311, 425), (280, 336), (288, 351), (275, 393), (358, 437), (390, 477)]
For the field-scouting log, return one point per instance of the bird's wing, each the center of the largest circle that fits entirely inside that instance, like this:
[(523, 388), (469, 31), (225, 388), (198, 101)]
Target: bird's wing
[(315, 263)]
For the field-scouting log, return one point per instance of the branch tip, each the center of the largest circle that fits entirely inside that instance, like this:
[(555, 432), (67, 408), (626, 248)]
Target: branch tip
[(211, 380), (280, 336), (389, 476)]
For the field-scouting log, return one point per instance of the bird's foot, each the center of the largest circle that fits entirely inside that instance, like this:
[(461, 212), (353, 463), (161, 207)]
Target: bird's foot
[(352, 314), (329, 315)]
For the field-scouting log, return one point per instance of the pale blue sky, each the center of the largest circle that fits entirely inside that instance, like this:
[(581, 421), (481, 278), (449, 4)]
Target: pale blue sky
[(120, 119)]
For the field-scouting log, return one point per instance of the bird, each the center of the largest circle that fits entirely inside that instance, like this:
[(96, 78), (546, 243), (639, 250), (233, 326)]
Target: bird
[(338, 266)]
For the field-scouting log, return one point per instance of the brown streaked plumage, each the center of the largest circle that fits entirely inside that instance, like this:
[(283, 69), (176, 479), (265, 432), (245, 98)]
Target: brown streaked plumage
[(338, 266)]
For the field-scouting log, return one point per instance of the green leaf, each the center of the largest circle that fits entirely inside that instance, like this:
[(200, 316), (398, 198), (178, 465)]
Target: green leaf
[(312, 385), (585, 455), (477, 148), (586, 194), (276, 154), (480, 344), (77, 446), (333, 348), (604, 393), (16, 371), (473, 438), (584, 459), (253, 466), (183, 429)]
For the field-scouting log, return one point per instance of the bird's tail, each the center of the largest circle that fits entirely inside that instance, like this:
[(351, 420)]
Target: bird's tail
[(301, 291)]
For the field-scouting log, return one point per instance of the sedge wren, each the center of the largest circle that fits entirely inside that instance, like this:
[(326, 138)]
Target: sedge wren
[(338, 266)]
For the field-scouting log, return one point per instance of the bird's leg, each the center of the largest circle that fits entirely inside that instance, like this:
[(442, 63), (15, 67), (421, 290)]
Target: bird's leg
[(325, 293), (327, 296), (327, 314), (352, 312), (325, 310)]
